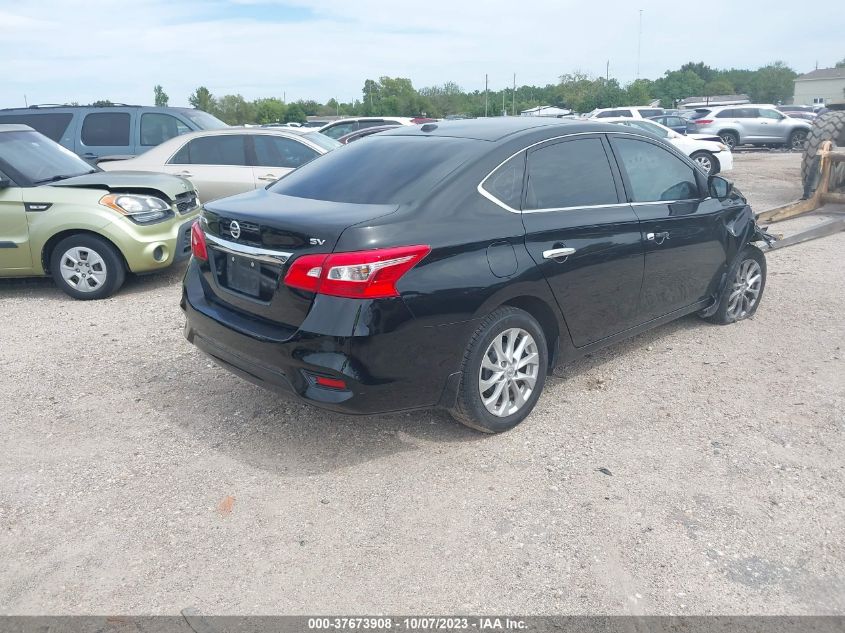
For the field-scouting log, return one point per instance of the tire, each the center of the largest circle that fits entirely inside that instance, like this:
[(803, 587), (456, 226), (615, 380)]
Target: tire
[(100, 273), (707, 162), (731, 139), (513, 328), (797, 140), (829, 126), (747, 302)]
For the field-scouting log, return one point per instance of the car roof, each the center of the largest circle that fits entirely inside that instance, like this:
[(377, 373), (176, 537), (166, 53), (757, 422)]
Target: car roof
[(405, 119), (498, 128), (15, 127)]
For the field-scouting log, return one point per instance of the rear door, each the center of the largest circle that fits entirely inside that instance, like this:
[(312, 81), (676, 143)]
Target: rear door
[(683, 230), (584, 236), (107, 133), (217, 165), (274, 156)]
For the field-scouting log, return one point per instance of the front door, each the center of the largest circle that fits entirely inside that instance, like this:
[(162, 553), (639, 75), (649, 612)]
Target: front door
[(683, 231), (15, 255), (583, 236)]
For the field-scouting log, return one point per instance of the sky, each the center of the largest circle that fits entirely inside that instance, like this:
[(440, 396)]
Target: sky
[(59, 51)]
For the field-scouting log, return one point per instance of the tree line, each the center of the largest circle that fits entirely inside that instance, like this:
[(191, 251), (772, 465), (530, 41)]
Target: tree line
[(577, 91)]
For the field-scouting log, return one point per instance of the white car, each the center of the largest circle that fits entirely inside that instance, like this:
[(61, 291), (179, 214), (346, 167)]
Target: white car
[(711, 155), (637, 112), (231, 160), (342, 127)]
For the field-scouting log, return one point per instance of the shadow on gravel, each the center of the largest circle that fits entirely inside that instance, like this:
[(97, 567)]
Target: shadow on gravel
[(44, 288)]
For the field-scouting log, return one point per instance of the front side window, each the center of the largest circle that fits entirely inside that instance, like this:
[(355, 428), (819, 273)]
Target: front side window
[(156, 128), (771, 114), (570, 174), (277, 151), (229, 149), (654, 173), (505, 184), (106, 129)]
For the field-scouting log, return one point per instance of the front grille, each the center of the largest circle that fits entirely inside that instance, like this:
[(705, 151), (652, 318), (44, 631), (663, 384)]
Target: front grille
[(186, 202)]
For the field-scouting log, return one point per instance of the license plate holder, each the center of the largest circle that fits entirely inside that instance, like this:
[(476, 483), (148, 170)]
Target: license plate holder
[(243, 275)]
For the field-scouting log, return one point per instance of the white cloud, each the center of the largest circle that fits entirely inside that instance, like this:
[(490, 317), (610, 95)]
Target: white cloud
[(69, 50)]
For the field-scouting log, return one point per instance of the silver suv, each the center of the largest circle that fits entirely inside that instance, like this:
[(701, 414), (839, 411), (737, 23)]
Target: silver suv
[(750, 124)]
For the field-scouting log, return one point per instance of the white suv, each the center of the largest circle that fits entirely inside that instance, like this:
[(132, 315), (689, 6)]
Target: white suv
[(632, 113), (750, 124)]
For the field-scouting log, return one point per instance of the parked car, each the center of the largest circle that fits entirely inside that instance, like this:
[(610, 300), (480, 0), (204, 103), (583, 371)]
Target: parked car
[(367, 131), (453, 280), (342, 127), (96, 131), (673, 121), (709, 153), (790, 109), (806, 116), (233, 160), (61, 217), (634, 113), (751, 124)]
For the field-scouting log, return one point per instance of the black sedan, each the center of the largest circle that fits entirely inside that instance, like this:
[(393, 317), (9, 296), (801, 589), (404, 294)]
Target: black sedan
[(455, 264)]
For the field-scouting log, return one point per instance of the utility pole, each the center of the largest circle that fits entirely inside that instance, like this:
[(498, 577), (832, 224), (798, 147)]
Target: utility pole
[(26, 103), (607, 71), (639, 43), (486, 95), (513, 105), (284, 96)]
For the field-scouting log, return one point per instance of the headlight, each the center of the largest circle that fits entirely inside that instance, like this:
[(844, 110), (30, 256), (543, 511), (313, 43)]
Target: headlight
[(722, 147), (141, 209)]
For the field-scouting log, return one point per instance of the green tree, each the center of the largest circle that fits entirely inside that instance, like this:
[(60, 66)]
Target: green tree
[(102, 103), (161, 97), (773, 83), (639, 92), (269, 110), (718, 86), (676, 85), (841, 63), (295, 114), (704, 72), (202, 99), (234, 110)]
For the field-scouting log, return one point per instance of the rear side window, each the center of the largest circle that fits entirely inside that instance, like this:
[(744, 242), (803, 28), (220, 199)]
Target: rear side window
[(106, 129), (52, 125), (728, 114), (156, 128), (570, 174), (277, 151), (229, 149), (384, 170), (505, 184), (655, 174)]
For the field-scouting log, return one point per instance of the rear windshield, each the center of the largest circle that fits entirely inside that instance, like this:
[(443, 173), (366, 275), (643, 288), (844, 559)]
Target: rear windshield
[(383, 170), (203, 120), (647, 113)]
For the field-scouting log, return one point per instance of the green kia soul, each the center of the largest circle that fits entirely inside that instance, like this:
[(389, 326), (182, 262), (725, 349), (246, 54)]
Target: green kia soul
[(86, 228)]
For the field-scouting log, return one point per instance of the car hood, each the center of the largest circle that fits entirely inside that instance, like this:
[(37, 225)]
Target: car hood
[(171, 186)]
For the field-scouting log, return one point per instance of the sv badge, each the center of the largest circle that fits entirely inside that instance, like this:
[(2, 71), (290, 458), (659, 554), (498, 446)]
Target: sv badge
[(316, 242)]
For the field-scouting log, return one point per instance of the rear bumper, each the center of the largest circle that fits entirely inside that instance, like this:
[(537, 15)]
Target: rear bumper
[(405, 365)]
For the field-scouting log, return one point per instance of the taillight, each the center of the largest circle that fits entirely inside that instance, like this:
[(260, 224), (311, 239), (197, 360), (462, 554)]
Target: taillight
[(357, 275), (198, 247), (703, 121)]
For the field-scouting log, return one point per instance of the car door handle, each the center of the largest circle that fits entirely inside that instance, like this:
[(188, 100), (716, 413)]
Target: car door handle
[(185, 174), (558, 253), (270, 177), (659, 238)]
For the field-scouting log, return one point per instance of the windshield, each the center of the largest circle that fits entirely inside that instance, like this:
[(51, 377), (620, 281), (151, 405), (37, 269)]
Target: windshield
[(203, 120), (30, 158), (653, 128), (326, 142), (384, 170)]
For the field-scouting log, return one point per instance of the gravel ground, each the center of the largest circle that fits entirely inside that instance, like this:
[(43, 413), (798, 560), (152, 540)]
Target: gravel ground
[(139, 478)]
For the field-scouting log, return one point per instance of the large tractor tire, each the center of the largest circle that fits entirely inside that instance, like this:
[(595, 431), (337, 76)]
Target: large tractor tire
[(829, 126)]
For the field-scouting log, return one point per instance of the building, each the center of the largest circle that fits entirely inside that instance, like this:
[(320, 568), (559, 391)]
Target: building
[(545, 111), (823, 85), (691, 103)]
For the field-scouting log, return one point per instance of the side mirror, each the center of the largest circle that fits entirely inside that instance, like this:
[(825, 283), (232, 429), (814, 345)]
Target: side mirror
[(719, 188)]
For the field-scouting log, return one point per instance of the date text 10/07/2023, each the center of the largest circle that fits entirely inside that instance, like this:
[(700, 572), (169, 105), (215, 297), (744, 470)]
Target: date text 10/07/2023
[(417, 623)]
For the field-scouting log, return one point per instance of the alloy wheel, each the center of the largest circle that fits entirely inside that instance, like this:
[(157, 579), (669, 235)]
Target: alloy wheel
[(704, 162), (508, 372), (798, 140), (729, 140), (83, 269), (746, 290)]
